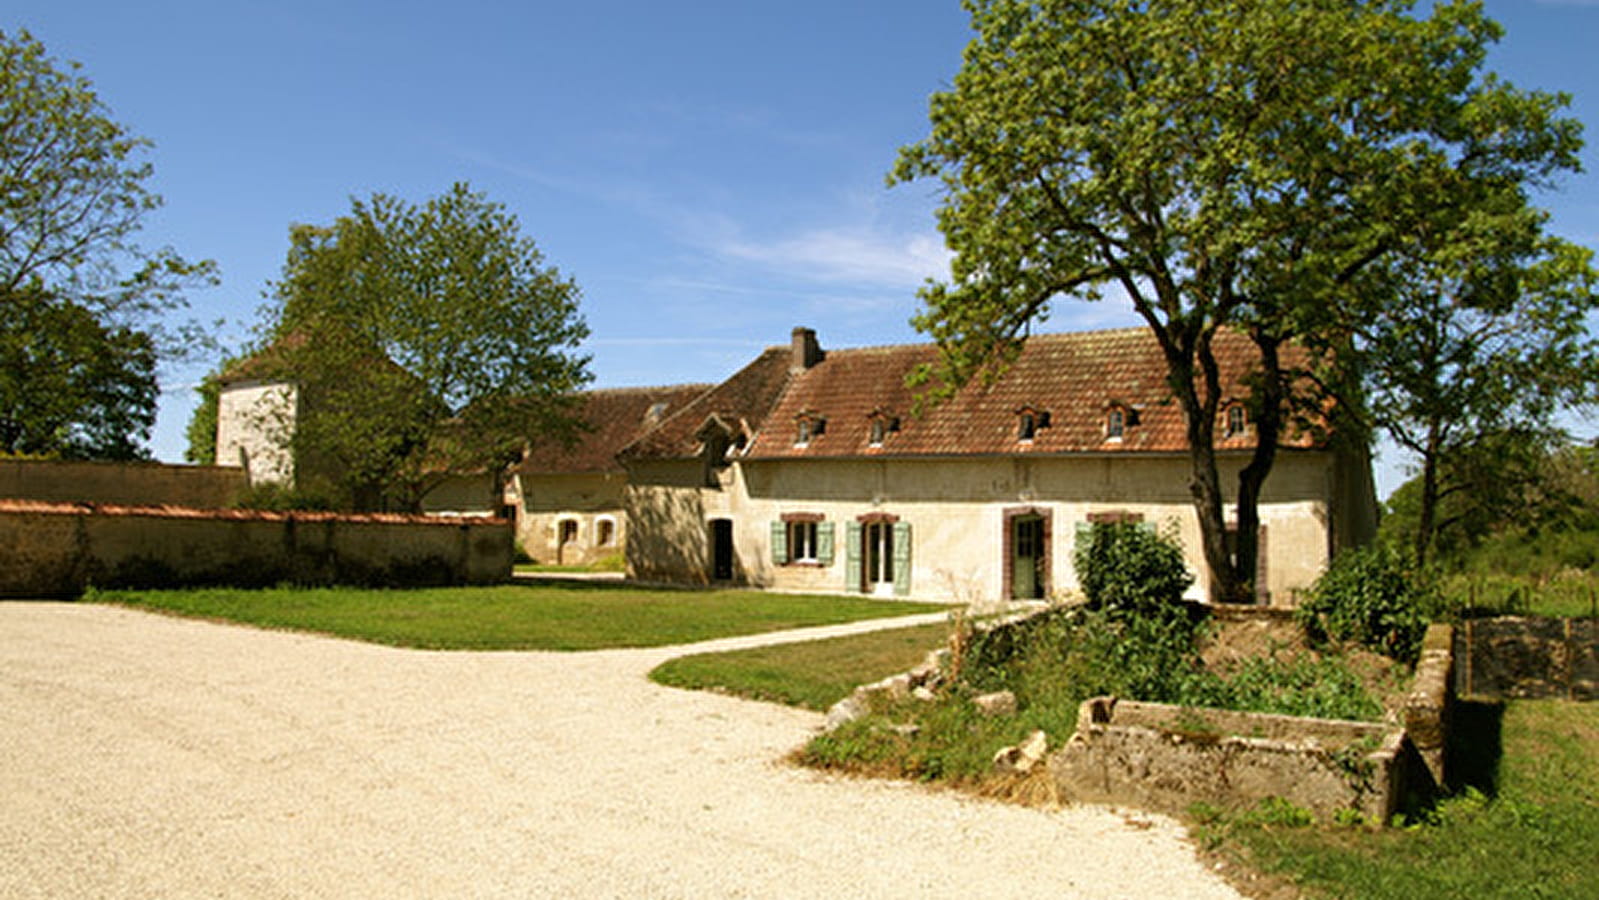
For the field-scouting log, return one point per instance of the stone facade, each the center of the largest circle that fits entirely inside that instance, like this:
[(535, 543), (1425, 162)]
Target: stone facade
[(571, 519), (568, 499), (255, 423)]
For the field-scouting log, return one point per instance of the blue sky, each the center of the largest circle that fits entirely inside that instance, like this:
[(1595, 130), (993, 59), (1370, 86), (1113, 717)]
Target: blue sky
[(711, 172)]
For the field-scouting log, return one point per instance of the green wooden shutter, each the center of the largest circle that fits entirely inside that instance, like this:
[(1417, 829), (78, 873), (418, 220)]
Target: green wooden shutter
[(824, 543), (779, 543), (902, 559), (852, 556)]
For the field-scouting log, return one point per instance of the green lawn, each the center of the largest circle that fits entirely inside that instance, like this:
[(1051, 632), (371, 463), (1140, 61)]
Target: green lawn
[(1523, 823), (812, 674), (553, 616)]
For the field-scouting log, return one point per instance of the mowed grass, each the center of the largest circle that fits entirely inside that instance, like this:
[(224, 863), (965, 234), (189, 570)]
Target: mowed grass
[(811, 674), (552, 616), (1524, 823)]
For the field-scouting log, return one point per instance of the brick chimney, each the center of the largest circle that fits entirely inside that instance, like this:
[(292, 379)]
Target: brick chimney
[(807, 352)]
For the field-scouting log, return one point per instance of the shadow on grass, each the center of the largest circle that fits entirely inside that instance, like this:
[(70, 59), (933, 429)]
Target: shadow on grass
[(1475, 747)]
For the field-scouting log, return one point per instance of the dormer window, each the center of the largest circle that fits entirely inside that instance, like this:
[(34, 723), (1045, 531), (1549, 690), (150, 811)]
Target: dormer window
[(1118, 419), (807, 425), (1029, 422), (882, 424), (1236, 420)]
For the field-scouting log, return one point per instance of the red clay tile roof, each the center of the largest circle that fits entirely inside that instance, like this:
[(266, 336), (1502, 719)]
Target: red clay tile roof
[(743, 402), (1074, 378), (616, 417)]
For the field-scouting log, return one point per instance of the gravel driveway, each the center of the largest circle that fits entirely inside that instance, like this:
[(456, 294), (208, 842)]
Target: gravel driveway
[(147, 756)]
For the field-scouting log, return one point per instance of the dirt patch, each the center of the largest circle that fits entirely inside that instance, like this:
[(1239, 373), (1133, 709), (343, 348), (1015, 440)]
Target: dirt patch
[(1232, 639)]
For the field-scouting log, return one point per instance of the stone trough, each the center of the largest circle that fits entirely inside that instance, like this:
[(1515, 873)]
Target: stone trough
[(1167, 758)]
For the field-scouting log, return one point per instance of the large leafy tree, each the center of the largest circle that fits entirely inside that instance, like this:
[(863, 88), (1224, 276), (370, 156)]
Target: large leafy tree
[(429, 340), (83, 304), (1220, 164)]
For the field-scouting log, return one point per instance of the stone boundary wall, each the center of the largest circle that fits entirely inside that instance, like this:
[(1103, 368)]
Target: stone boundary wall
[(123, 483), (1522, 657), (56, 550)]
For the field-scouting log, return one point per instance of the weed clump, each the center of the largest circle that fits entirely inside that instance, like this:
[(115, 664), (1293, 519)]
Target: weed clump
[(1134, 638)]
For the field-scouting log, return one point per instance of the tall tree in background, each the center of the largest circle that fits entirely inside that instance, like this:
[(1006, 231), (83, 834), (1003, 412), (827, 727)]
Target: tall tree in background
[(1222, 164), (82, 306), (1467, 367), (429, 340)]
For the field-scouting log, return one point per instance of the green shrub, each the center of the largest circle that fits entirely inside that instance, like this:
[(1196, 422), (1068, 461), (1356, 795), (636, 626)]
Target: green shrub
[(1129, 569), (273, 497), (1368, 596)]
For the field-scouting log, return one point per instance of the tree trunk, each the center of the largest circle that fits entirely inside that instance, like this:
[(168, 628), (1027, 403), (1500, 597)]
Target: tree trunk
[(1205, 482), (1426, 519), (1268, 428)]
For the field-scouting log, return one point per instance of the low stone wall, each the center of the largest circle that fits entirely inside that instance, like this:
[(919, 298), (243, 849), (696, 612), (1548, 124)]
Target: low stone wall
[(123, 483), (1427, 709), (1521, 657), (1162, 757), (50, 550)]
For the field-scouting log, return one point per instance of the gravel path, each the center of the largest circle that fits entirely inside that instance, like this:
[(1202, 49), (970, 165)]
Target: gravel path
[(147, 756)]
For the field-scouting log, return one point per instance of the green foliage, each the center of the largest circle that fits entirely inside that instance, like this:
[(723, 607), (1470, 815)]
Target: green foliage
[(70, 385), (1322, 688), (81, 304), (1521, 509), (273, 497), (201, 432), (1370, 597), (1127, 568), (428, 340), (1225, 164)]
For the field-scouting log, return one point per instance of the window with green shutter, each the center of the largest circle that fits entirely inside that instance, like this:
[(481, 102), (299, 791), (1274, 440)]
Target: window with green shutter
[(902, 559), (852, 556), (779, 543)]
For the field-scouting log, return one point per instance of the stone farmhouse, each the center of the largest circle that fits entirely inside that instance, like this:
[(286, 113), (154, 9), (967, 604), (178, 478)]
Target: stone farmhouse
[(806, 470), (567, 501)]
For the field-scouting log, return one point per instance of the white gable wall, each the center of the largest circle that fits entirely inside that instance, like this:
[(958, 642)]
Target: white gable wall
[(255, 422)]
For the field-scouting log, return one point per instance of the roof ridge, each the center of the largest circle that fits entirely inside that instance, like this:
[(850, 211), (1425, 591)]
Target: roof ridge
[(1131, 330), (649, 388)]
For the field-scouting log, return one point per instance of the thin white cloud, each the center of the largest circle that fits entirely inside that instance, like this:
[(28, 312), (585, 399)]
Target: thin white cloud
[(848, 255)]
